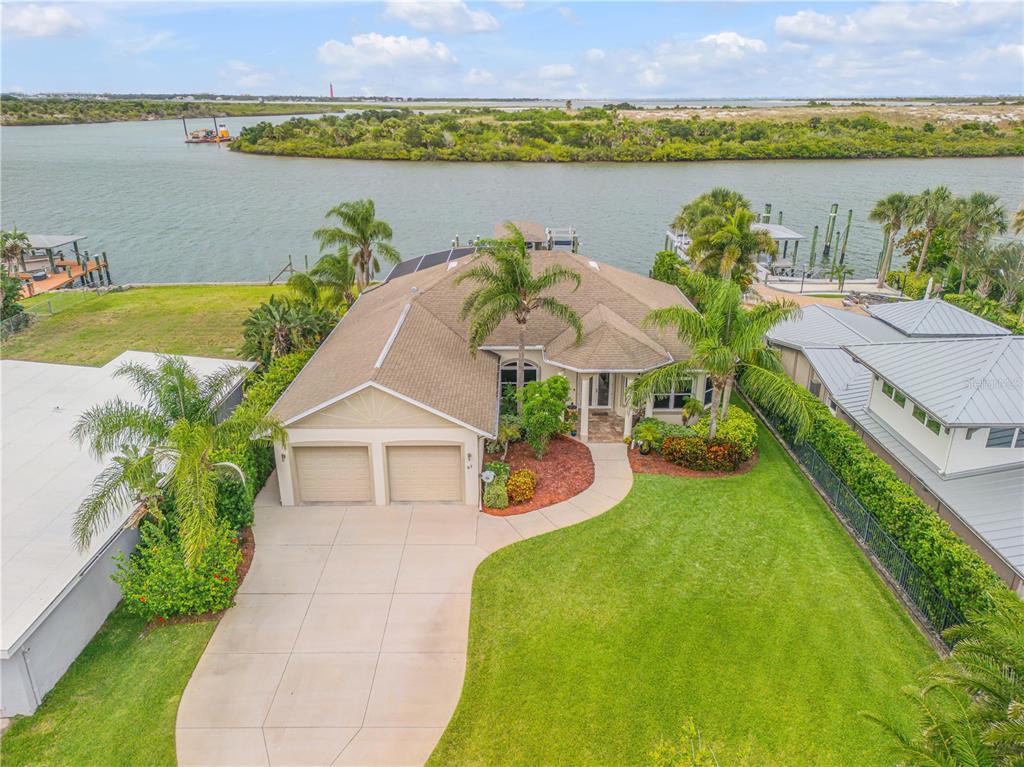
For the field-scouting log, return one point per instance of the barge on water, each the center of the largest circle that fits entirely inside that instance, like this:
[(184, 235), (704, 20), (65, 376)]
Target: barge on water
[(219, 134)]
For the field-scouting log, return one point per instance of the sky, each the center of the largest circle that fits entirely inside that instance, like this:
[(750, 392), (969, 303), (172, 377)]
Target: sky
[(452, 48)]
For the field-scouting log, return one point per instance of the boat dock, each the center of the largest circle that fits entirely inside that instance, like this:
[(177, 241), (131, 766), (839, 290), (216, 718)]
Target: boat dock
[(47, 267)]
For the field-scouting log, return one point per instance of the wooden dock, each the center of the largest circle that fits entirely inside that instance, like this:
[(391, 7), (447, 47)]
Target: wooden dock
[(67, 272)]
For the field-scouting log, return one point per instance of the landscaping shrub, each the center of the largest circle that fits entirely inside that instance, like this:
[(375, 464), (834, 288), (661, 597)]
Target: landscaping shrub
[(156, 582), (986, 308), (501, 470), (954, 569), (701, 454), (496, 495), (543, 407), (664, 429), (521, 485), (913, 287), (667, 265), (738, 426)]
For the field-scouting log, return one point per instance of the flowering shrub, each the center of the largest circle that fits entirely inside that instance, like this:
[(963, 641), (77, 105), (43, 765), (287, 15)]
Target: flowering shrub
[(700, 454), (657, 431), (156, 582), (739, 427), (521, 485), (496, 495)]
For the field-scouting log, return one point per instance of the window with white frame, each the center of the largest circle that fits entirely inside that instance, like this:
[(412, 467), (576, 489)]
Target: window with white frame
[(930, 423), (894, 394), (507, 376), (673, 400), (1009, 436)]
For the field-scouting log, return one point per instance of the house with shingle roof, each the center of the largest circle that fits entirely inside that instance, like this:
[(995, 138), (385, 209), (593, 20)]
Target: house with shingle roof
[(937, 393), (394, 407)]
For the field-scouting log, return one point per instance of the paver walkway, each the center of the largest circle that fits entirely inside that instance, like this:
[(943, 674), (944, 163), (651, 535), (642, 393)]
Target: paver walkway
[(347, 645)]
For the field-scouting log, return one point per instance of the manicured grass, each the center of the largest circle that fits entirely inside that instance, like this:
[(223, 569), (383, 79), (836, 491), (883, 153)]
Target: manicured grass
[(201, 320), (739, 602), (117, 703)]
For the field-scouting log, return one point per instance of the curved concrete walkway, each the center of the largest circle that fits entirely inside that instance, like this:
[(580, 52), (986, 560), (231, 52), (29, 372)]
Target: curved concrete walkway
[(347, 645)]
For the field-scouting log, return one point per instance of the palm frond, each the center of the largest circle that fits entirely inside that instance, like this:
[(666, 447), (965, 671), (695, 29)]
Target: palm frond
[(116, 425), (563, 312), (658, 381), (780, 394)]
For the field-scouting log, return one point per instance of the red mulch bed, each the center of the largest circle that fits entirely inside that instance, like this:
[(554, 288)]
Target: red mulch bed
[(565, 471), (654, 463), (248, 545)]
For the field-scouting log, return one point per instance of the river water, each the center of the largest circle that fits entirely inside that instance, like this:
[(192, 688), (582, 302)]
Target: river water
[(169, 212)]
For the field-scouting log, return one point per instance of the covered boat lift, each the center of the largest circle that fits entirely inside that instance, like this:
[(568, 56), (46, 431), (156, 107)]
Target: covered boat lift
[(47, 267), (784, 236)]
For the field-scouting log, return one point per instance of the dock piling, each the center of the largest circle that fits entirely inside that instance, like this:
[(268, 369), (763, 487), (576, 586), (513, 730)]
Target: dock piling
[(846, 235), (814, 248)]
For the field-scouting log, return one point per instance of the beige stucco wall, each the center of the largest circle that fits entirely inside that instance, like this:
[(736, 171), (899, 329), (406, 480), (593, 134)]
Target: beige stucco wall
[(377, 419)]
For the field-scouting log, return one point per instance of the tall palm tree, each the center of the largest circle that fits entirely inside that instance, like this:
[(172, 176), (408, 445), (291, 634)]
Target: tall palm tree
[(890, 212), (507, 287), (975, 220), (368, 237), (329, 283), (720, 201), (728, 246), (929, 210), (727, 342), (14, 245), (166, 443)]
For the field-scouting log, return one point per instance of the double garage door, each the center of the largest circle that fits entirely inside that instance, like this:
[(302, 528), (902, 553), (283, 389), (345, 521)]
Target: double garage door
[(342, 474)]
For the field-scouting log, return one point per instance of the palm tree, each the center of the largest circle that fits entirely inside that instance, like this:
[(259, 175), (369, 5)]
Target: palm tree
[(507, 287), (840, 273), (360, 230), (329, 283), (727, 342), (971, 703), (728, 246), (165, 444), (975, 220), (14, 244), (1018, 220), (282, 325), (720, 201), (1007, 268), (929, 210), (890, 213)]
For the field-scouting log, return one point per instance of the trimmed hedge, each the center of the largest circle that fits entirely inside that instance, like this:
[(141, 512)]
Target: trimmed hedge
[(954, 568), (913, 287), (665, 430), (701, 454), (986, 308), (738, 426)]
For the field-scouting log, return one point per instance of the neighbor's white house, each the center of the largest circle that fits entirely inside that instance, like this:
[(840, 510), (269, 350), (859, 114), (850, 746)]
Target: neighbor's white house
[(394, 407), (938, 393)]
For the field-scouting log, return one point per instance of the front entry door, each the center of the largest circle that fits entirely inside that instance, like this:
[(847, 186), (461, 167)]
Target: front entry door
[(600, 390)]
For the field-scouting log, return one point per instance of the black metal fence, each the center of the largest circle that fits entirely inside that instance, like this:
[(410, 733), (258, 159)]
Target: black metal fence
[(908, 577)]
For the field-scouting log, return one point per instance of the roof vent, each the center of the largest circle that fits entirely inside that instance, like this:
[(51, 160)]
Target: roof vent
[(594, 265), (414, 290), (452, 265)]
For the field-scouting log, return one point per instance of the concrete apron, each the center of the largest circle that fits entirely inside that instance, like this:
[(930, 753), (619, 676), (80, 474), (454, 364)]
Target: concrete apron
[(347, 643)]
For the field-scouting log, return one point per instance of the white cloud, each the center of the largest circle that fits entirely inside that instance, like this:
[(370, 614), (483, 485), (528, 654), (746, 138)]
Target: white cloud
[(246, 76), (594, 55), (136, 46), (734, 45), (479, 77), (376, 57), (569, 14), (806, 25), (451, 16), (556, 71), (512, 5), (40, 21)]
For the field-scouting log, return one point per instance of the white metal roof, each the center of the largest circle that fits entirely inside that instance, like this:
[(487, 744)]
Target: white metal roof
[(991, 504), (826, 326), (934, 318), (45, 477), (779, 232), (962, 381)]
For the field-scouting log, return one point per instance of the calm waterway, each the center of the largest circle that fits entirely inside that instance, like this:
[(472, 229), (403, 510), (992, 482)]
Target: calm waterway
[(169, 212)]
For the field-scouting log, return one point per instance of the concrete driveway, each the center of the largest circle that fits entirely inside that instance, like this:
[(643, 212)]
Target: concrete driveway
[(347, 644)]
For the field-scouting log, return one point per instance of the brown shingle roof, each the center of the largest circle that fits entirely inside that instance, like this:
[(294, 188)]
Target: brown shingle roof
[(532, 231), (406, 336)]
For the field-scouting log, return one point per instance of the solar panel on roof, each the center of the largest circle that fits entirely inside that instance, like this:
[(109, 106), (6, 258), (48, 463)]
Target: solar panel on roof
[(430, 259), (404, 268), (433, 259)]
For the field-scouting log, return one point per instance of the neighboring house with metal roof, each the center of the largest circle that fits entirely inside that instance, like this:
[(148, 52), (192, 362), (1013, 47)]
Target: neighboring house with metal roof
[(947, 413), (394, 407)]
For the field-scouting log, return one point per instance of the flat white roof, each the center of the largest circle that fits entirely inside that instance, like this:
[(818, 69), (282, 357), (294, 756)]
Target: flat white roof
[(46, 476)]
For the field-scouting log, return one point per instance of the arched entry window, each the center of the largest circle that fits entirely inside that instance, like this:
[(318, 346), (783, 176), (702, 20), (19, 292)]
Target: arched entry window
[(507, 377)]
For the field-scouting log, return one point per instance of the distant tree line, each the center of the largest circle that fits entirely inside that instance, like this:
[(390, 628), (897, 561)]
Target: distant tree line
[(595, 134)]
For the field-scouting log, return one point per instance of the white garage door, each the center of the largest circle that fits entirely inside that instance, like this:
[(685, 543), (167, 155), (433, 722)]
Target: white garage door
[(332, 474), (425, 473)]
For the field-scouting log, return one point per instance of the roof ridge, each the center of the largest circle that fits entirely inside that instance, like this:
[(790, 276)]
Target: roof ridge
[(843, 322), (1002, 343)]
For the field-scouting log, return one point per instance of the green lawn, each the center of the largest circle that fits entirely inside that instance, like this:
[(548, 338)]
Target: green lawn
[(739, 602), (201, 320), (116, 705)]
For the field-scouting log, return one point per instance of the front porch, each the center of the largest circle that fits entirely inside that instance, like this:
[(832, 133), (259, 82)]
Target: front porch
[(606, 426)]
